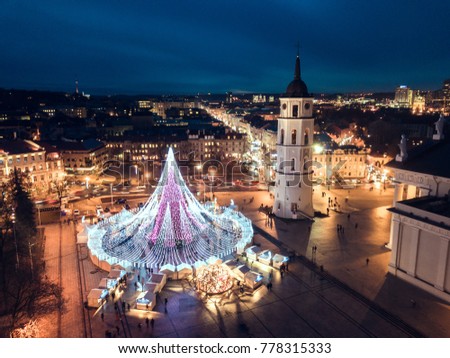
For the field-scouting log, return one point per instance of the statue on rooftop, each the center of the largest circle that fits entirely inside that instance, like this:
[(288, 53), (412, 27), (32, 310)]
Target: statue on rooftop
[(403, 154), (439, 126)]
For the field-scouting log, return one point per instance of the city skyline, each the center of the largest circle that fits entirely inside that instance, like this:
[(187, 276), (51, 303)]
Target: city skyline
[(179, 48)]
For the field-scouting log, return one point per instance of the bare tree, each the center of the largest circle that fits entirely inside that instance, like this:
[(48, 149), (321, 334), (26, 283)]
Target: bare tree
[(27, 292), (60, 187), (30, 298)]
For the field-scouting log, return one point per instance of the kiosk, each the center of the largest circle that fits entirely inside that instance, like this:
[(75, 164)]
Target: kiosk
[(253, 279), (146, 301), (278, 260), (159, 279), (253, 252), (265, 257), (96, 297)]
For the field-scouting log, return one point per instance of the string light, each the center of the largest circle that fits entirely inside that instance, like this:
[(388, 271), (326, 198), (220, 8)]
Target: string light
[(171, 228), (214, 279)]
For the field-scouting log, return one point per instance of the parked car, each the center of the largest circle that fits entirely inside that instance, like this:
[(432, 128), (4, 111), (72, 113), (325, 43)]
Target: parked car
[(121, 201), (76, 212)]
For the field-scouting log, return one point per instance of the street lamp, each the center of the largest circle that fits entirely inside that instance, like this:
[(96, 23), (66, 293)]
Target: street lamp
[(30, 245), (39, 215), (13, 217), (87, 182)]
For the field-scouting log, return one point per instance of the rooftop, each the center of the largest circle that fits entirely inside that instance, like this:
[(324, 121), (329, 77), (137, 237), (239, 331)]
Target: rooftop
[(19, 146), (435, 205), (429, 158), (84, 145)]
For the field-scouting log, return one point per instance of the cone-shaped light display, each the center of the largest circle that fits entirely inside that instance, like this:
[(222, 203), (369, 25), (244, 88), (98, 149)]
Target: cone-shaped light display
[(171, 228)]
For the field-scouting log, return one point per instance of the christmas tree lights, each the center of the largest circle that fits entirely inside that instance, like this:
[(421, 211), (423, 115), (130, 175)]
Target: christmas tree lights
[(171, 228)]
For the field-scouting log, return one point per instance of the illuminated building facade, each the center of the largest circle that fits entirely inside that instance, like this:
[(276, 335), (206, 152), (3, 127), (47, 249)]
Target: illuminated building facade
[(403, 97), (420, 224), (43, 166)]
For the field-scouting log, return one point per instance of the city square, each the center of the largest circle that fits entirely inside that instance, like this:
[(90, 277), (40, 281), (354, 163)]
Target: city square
[(360, 297), (179, 173)]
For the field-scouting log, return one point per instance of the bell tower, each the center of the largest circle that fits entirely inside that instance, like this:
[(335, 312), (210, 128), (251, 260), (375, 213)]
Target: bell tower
[(293, 183)]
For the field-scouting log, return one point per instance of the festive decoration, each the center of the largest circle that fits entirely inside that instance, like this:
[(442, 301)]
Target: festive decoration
[(214, 279), (171, 228), (29, 330)]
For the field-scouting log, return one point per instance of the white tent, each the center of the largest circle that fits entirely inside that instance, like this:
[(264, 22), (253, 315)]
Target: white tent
[(253, 279), (82, 236), (168, 270), (231, 264), (151, 287), (240, 271), (278, 259), (183, 271), (146, 301), (160, 279), (265, 257), (96, 296), (252, 252), (107, 283)]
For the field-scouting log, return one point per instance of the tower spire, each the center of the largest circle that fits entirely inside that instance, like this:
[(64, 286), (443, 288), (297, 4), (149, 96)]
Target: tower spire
[(297, 73)]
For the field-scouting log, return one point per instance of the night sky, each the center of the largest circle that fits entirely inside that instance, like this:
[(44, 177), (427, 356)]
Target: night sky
[(193, 46)]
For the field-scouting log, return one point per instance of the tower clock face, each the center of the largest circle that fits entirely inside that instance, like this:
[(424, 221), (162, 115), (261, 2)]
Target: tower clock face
[(284, 106), (307, 105)]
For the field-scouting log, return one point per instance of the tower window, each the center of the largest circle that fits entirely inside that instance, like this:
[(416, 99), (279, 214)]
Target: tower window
[(294, 111), (282, 137), (293, 164), (306, 139), (294, 136)]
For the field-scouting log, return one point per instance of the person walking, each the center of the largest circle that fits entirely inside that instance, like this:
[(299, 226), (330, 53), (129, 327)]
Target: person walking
[(367, 261), (152, 323), (147, 321)]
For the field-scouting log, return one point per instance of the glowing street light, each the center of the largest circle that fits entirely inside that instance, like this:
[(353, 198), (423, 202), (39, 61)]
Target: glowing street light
[(13, 217)]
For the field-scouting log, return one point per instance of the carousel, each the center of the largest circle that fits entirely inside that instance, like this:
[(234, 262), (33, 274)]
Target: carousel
[(172, 228)]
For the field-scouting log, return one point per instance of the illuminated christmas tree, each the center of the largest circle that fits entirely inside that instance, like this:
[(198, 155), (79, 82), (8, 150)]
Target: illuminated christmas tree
[(171, 228)]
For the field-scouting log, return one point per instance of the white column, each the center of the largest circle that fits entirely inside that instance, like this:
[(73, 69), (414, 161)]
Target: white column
[(394, 240), (398, 192), (411, 192), (442, 264), (412, 256)]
